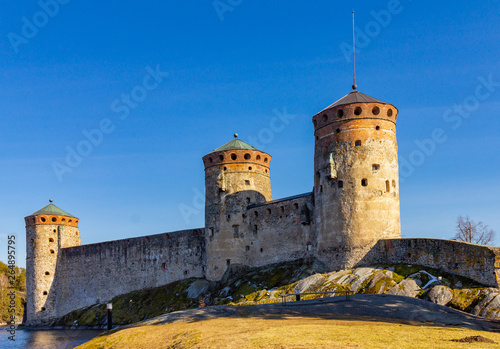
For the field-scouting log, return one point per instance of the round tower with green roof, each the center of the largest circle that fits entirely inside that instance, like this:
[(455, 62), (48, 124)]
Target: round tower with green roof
[(236, 175), (47, 231)]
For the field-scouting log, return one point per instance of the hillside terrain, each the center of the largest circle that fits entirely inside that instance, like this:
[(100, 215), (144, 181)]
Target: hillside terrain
[(19, 286), (250, 286)]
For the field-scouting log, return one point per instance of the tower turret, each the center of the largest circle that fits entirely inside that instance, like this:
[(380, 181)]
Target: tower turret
[(356, 189), (47, 231), (236, 176)]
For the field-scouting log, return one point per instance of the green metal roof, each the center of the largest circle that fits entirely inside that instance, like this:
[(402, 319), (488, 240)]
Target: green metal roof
[(52, 209), (235, 144)]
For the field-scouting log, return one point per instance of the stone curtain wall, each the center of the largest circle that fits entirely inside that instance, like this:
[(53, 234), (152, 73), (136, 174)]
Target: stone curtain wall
[(96, 273), (476, 262), (281, 230)]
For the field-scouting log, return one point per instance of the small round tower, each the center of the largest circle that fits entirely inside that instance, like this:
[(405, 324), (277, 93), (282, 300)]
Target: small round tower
[(356, 186), (236, 176), (47, 231)]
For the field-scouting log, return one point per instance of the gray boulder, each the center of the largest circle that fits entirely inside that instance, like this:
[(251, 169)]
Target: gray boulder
[(310, 283), (441, 295), (407, 287), (197, 288)]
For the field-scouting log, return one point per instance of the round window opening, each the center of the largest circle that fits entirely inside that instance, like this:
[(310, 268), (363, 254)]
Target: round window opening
[(358, 111), (325, 117), (340, 113), (233, 156), (376, 110), (54, 219), (42, 219), (247, 156), (221, 158), (389, 112)]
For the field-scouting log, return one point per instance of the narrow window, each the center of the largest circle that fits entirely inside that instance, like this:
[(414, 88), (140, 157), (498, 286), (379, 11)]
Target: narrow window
[(265, 160), (247, 248), (296, 206), (340, 113), (389, 112), (248, 200), (255, 229), (228, 217), (258, 157), (185, 272), (358, 143), (338, 130), (364, 182), (236, 230), (376, 110), (212, 232), (261, 250), (228, 262), (44, 293), (256, 213), (325, 118), (320, 188), (387, 187), (309, 247), (340, 184), (52, 251), (282, 209), (269, 211)]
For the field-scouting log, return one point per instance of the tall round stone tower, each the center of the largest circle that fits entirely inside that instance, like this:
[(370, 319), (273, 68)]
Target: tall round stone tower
[(47, 231), (236, 176), (356, 186)]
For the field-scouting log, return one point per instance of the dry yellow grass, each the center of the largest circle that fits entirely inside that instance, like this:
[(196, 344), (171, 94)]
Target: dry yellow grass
[(288, 332)]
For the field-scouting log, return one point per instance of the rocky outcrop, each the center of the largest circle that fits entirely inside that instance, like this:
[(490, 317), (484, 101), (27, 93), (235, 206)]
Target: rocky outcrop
[(441, 295)]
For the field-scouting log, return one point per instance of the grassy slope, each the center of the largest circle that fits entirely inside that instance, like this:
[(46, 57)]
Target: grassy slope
[(288, 332)]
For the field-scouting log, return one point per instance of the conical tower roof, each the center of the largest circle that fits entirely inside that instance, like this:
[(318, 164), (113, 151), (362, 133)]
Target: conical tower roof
[(354, 97), (235, 144), (52, 209)]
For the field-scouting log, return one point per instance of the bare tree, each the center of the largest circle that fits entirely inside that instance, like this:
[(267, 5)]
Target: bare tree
[(476, 233)]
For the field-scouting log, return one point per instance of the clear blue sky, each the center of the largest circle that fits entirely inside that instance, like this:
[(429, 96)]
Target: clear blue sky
[(233, 69)]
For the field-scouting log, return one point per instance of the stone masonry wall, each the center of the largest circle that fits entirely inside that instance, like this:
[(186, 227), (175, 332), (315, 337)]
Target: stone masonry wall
[(476, 262), (96, 273)]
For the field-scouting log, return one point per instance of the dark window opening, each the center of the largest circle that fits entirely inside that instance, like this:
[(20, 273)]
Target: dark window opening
[(43, 308), (255, 229), (340, 184), (387, 187), (247, 156), (54, 219), (340, 113), (247, 248), (47, 273), (51, 240), (45, 293), (52, 251), (282, 208), (358, 111), (221, 157), (296, 206), (258, 157), (358, 143), (269, 210), (389, 112), (364, 182), (261, 250), (247, 182), (233, 156), (376, 110), (337, 130), (250, 168), (228, 261), (256, 213), (325, 117), (375, 167), (248, 200), (377, 128)]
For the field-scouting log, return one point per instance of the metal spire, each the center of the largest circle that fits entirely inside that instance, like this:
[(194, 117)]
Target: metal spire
[(354, 86)]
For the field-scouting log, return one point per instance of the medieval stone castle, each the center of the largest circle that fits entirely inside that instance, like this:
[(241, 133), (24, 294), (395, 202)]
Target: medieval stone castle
[(350, 219)]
